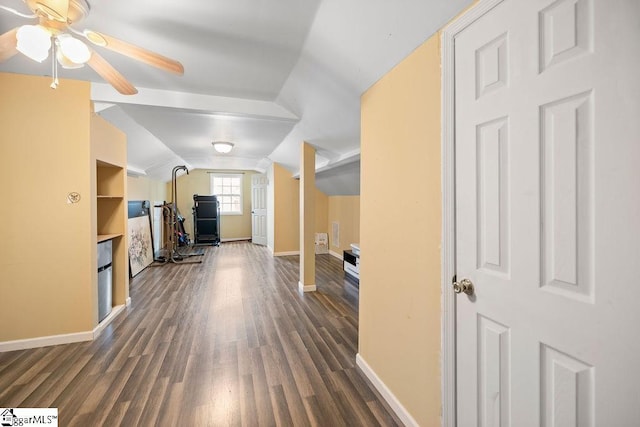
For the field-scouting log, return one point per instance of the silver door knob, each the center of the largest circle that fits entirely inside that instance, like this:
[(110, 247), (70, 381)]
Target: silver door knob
[(463, 286)]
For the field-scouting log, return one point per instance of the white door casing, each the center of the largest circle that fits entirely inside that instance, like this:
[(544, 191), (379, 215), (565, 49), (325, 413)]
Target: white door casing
[(547, 143), (259, 209)]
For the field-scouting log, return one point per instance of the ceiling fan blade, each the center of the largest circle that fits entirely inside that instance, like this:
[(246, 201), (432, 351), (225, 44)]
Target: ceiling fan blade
[(135, 52), (15, 12), (8, 43), (111, 75)]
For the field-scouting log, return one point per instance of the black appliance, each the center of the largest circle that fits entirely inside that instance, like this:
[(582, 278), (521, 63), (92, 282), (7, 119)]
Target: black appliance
[(206, 220)]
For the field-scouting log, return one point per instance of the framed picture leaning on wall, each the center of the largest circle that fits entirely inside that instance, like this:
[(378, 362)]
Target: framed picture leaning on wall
[(140, 238)]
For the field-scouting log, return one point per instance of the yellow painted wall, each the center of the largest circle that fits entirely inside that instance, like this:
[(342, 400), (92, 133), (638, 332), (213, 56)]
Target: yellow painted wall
[(399, 329), (322, 211), (308, 215), (345, 210), (143, 188), (45, 255), (286, 211), (198, 182)]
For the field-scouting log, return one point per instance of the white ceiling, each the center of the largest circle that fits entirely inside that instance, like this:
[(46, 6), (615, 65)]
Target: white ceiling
[(262, 74)]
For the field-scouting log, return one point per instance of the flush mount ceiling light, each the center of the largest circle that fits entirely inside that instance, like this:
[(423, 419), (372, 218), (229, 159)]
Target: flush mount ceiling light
[(222, 146)]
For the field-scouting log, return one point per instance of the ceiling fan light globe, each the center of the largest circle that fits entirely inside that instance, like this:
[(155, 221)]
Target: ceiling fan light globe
[(222, 146), (34, 41), (74, 50), (66, 63)]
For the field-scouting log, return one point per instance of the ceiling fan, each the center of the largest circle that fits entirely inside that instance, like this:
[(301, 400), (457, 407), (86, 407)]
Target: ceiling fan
[(54, 31)]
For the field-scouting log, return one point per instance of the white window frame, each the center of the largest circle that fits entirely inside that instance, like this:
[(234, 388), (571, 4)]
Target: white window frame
[(228, 175)]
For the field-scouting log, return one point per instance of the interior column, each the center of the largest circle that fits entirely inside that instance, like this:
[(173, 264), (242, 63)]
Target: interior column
[(307, 281)]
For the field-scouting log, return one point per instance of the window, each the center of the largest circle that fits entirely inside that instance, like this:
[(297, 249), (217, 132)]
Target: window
[(228, 188)]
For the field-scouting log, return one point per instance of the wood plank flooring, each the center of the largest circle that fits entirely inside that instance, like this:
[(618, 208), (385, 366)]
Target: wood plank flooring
[(227, 342)]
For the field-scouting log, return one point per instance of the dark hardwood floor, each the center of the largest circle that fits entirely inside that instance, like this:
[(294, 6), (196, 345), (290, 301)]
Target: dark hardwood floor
[(227, 342)]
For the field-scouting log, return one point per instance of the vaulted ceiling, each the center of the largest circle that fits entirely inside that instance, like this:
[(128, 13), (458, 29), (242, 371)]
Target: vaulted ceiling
[(263, 74)]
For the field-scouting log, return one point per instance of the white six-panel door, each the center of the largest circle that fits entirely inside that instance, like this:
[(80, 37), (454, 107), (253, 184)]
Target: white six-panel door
[(547, 146), (259, 209)]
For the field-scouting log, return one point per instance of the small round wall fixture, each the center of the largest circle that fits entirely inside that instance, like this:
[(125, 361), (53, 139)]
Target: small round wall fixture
[(223, 147)]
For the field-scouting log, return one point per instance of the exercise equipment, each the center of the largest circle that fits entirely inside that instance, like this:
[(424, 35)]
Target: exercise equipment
[(178, 245), (206, 220)]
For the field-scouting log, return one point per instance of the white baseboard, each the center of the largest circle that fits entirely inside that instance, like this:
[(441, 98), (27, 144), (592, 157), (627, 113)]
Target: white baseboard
[(337, 255), (45, 341), (289, 253), (306, 288), (388, 396), (270, 250), (128, 302), (235, 239), (64, 338), (115, 311), (286, 253)]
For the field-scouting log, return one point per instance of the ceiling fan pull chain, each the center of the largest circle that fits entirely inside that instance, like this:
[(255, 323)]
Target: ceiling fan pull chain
[(54, 66)]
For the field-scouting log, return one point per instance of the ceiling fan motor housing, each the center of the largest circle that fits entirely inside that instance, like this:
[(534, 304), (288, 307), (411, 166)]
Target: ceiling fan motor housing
[(78, 9)]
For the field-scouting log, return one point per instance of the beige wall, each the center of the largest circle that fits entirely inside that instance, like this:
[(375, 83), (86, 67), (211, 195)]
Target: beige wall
[(322, 211), (286, 211), (345, 210), (45, 255), (308, 216), (399, 335), (198, 182), (143, 188)]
